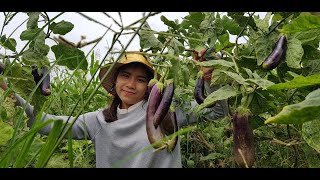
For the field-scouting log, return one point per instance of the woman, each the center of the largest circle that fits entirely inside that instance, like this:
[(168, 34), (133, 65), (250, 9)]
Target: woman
[(119, 132)]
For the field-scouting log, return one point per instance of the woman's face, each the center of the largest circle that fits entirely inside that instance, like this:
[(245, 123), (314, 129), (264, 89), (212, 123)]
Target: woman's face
[(131, 85)]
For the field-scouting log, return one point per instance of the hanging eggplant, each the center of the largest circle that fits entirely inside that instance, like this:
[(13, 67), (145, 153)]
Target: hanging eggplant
[(45, 84), (243, 149), (277, 55)]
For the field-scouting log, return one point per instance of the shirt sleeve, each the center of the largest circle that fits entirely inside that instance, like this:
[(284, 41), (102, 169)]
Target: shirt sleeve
[(84, 127), (187, 117)]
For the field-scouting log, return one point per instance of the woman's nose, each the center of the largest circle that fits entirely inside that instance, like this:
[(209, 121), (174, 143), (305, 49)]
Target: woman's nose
[(131, 83)]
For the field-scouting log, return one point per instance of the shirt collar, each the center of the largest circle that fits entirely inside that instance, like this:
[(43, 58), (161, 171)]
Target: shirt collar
[(131, 108)]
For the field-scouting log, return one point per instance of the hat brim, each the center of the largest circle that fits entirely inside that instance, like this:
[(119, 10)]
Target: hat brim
[(107, 83)]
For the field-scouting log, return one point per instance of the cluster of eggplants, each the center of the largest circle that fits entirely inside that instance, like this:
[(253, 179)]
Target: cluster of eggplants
[(243, 149), (277, 55), (164, 105), (199, 90), (45, 84), (160, 99), (1, 68)]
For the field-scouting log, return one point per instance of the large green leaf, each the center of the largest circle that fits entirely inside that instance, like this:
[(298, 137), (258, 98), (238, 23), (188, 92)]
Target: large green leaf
[(148, 39), (222, 93), (304, 22), (311, 134), (294, 53), (297, 82), (307, 110), (69, 56)]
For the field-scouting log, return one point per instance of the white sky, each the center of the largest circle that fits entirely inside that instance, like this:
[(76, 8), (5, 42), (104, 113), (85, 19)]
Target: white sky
[(92, 30)]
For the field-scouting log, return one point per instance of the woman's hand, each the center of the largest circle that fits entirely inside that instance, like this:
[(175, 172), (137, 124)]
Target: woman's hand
[(199, 56), (207, 73)]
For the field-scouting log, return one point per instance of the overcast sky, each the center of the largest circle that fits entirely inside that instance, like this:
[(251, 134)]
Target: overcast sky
[(92, 30)]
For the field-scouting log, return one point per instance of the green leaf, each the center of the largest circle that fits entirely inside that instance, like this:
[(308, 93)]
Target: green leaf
[(264, 46), (6, 132), (33, 20), (70, 57), (29, 57), (235, 77), (9, 43), (62, 27), (219, 78), (297, 82), (307, 110), (195, 19), (263, 83), (21, 79), (176, 45), (307, 36), (215, 64), (222, 93), (311, 134), (304, 22), (169, 23), (28, 34), (196, 40), (52, 139), (229, 24), (148, 39), (294, 53), (263, 24), (242, 20)]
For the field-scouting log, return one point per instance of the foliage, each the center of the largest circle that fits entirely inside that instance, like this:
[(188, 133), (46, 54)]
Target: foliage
[(283, 101)]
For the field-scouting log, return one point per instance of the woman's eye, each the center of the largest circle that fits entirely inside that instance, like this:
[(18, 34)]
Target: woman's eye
[(142, 80), (125, 75)]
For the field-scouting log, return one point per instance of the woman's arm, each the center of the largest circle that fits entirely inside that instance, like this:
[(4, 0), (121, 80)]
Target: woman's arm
[(84, 127), (219, 110)]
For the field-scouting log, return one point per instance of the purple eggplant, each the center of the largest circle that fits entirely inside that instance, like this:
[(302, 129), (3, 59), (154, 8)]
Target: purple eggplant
[(277, 54)]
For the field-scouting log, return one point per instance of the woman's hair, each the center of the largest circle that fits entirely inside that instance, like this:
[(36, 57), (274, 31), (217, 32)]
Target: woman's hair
[(110, 113)]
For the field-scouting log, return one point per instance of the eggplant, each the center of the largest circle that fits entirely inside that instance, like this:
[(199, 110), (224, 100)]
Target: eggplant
[(243, 148), (199, 90), (277, 55), (164, 104), (151, 83), (35, 74), (173, 142), (2, 67), (155, 134), (159, 106), (45, 84)]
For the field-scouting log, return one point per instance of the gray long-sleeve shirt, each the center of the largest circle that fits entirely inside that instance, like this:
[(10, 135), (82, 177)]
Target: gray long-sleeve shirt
[(124, 143)]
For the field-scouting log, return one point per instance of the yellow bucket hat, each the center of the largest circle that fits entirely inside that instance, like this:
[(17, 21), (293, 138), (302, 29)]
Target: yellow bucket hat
[(128, 57)]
